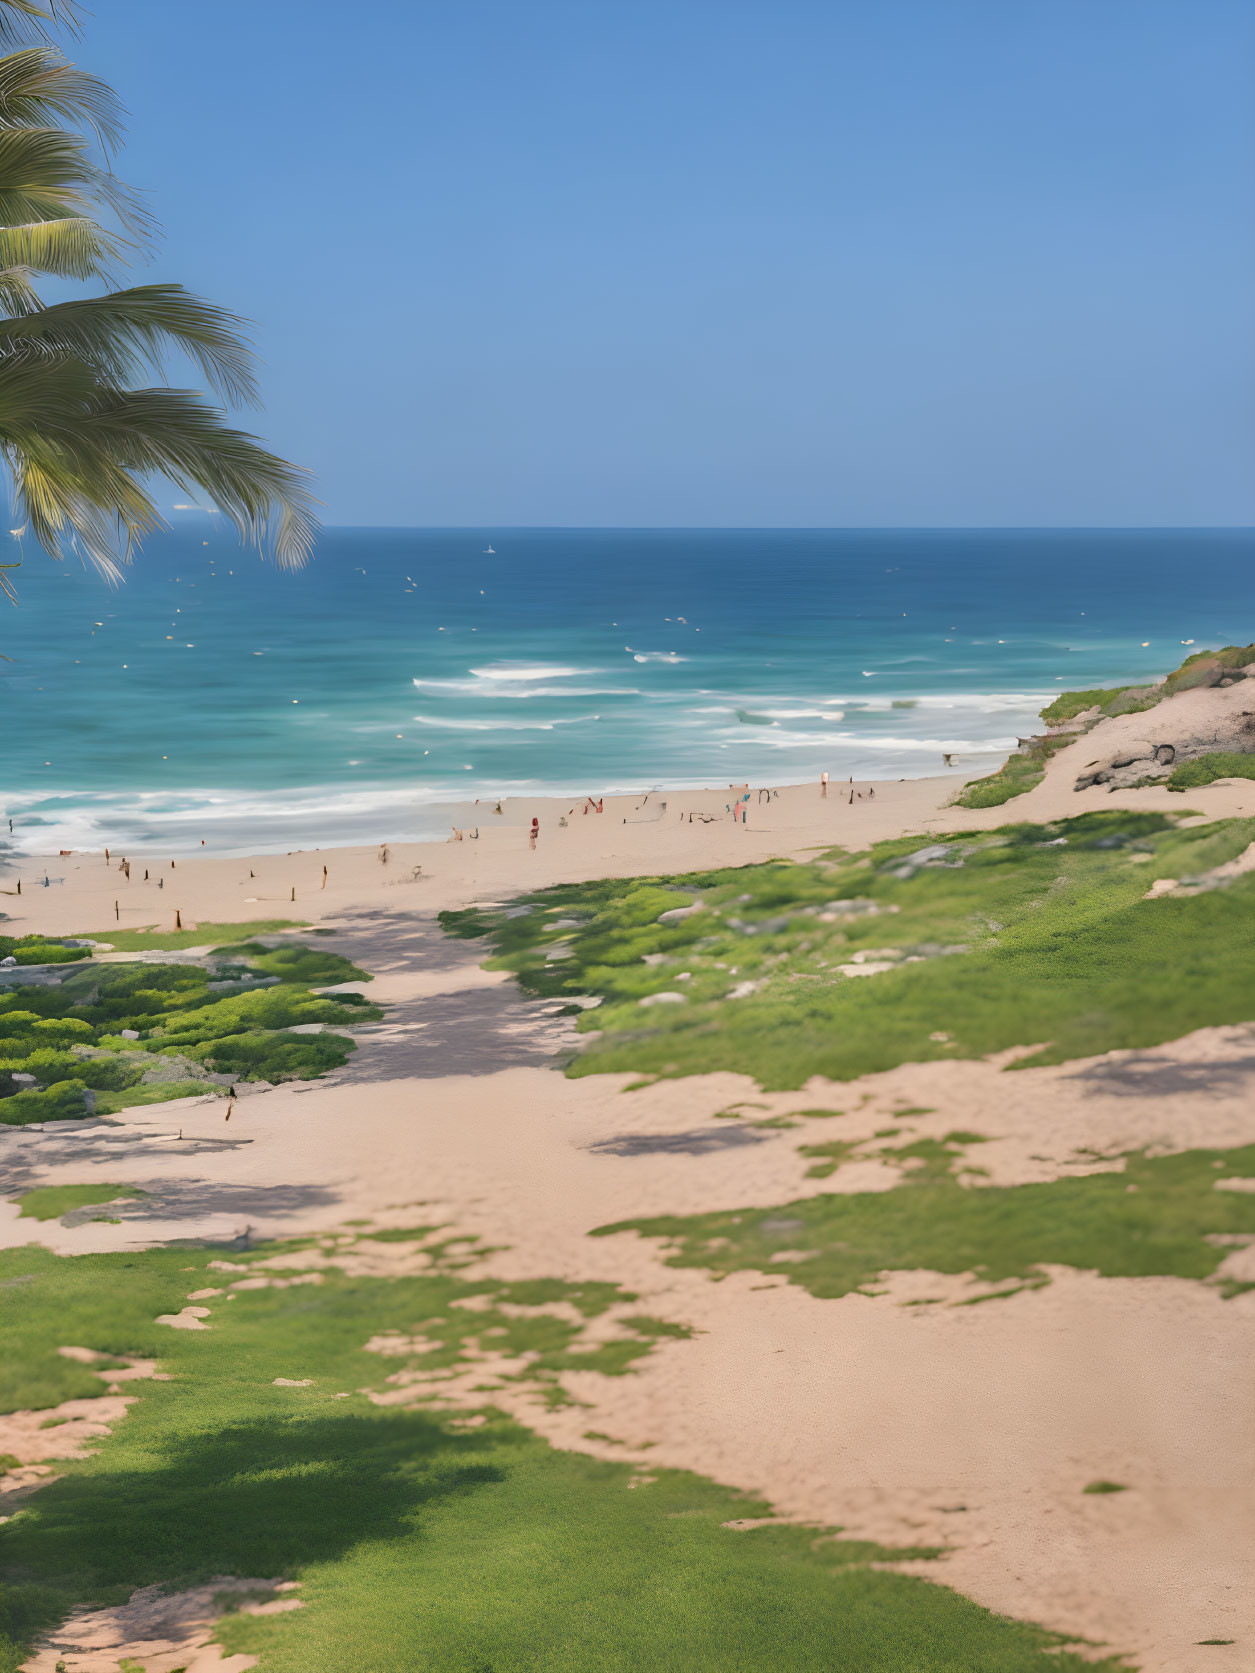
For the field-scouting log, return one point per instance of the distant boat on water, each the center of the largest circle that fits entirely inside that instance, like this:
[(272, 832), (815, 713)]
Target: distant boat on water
[(488, 552)]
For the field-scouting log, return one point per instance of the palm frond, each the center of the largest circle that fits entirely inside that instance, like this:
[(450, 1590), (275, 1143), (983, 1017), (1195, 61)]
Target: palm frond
[(24, 20), (86, 443), (74, 247), (38, 83), (81, 445), (17, 291), (173, 432), (46, 174), (126, 332)]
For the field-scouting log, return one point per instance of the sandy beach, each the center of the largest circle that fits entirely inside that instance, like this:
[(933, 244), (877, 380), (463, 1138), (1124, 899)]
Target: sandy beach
[(970, 1427)]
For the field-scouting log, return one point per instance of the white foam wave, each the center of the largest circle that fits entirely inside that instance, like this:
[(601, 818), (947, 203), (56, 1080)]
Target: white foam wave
[(780, 738), (799, 714), (658, 656), (531, 671), (500, 690), (444, 724)]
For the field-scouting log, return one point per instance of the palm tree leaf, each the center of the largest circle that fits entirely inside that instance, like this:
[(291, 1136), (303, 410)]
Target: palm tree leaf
[(173, 432), (17, 291), (127, 331), (22, 20), (46, 173), (38, 83), (87, 442), (73, 247)]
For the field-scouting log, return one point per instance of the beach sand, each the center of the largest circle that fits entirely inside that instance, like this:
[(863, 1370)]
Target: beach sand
[(859, 1412)]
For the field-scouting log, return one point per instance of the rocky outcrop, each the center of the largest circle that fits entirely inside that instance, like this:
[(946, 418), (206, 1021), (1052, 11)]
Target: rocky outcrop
[(1175, 734)]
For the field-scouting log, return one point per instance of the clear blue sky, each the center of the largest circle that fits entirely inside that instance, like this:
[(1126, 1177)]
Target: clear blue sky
[(816, 262)]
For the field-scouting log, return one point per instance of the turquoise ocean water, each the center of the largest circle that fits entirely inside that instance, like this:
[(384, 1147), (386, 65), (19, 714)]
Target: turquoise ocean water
[(214, 698)]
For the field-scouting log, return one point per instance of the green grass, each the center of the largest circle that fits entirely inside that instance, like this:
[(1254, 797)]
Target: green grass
[(1063, 953), (1020, 772), (70, 1037), (152, 939), (421, 1544), (1102, 1487), (50, 1202), (1154, 1218), (1068, 704), (1206, 769)]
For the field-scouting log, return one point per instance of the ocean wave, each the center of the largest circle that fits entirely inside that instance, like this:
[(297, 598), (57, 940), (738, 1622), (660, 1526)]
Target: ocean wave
[(780, 738), (531, 671), (493, 689), (445, 724), (657, 656), (802, 714)]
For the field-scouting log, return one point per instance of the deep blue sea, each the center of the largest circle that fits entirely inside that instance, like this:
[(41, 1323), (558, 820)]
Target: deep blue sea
[(212, 697)]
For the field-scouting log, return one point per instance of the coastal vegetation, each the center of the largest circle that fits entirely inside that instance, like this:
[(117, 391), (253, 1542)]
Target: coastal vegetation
[(1020, 772), (1206, 769), (1026, 766), (1147, 1216), (82, 435), (1030, 936), (112, 1035), (437, 1534)]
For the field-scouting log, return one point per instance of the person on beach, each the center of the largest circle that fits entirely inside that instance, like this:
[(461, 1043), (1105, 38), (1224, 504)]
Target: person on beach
[(823, 786), (534, 832)]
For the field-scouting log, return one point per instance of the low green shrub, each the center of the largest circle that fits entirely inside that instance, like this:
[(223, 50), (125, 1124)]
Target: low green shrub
[(262, 1055), (38, 949), (173, 1012), (49, 1066), (64, 1101)]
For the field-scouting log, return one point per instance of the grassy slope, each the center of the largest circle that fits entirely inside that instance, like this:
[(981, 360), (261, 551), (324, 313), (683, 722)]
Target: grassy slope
[(1027, 767), (171, 1008), (1154, 1218), (422, 1545), (1078, 963)]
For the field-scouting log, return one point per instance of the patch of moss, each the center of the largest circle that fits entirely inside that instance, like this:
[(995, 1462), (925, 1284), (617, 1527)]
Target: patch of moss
[(205, 934), (50, 1202), (1155, 1217)]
